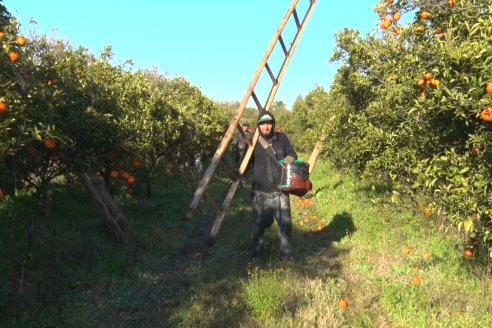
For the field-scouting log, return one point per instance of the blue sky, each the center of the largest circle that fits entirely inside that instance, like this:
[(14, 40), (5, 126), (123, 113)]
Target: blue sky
[(217, 45)]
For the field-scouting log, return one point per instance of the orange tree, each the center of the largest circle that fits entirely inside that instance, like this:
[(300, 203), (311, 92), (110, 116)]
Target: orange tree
[(170, 121), (64, 111), (412, 104)]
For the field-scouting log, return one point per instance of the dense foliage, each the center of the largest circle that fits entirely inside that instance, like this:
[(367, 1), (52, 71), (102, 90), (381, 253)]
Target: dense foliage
[(407, 105)]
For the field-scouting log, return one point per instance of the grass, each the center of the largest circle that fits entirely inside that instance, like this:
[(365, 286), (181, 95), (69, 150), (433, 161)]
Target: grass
[(73, 274)]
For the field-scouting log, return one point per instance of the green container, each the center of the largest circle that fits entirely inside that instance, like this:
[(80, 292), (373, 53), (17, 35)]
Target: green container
[(289, 170)]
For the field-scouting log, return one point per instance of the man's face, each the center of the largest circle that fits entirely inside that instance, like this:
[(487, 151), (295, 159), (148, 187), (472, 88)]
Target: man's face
[(245, 128), (266, 128)]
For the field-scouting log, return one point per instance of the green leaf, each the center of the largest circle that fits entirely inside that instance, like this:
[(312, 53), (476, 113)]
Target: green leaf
[(468, 225)]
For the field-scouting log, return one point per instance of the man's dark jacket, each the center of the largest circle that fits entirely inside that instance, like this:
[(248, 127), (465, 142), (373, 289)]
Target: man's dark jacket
[(282, 147)]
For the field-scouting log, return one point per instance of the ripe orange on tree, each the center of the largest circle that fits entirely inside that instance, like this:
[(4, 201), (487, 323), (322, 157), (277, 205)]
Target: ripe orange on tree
[(451, 3), (385, 23), (114, 174), (427, 212), (55, 158), (131, 180), (343, 304), (52, 83), (476, 151), (21, 41), (136, 163), (419, 28), (14, 56), (396, 17), (424, 14), (468, 252), (49, 144), (3, 107), (488, 88), (406, 250), (2, 34), (1, 194), (486, 115)]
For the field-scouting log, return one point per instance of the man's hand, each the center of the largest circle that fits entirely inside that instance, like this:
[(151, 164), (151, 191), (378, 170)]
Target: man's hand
[(288, 159)]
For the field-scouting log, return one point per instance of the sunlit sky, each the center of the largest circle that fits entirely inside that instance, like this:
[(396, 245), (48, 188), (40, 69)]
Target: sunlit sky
[(215, 45)]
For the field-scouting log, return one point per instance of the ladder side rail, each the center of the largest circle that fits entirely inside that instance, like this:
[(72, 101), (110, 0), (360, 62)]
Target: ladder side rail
[(288, 57), (221, 214)]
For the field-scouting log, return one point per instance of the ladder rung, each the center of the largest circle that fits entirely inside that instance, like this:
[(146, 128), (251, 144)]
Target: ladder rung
[(257, 102), (274, 80), (212, 201), (298, 23), (284, 48), (228, 166)]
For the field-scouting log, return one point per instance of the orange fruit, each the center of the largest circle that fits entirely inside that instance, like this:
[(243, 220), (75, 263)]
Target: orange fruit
[(425, 255), (49, 144), (427, 212), (124, 175), (3, 107), (476, 151), (427, 77), (451, 3), (385, 23), (55, 158), (396, 17), (435, 82), (416, 280), (468, 252), (486, 114), (390, 2), (406, 250), (343, 304), (488, 88), (1, 34), (395, 31), (419, 28), (14, 56), (114, 174), (424, 14), (1, 194), (131, 180), (21, 41), (136, 163)]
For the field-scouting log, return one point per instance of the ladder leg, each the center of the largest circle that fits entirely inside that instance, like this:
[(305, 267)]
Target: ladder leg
[(221, 214)]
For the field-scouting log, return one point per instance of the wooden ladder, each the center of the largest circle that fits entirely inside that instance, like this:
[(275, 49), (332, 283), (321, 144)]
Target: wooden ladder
[(250, 93)]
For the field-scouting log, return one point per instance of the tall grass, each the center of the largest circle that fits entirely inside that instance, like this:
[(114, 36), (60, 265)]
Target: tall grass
[(347, 245)]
